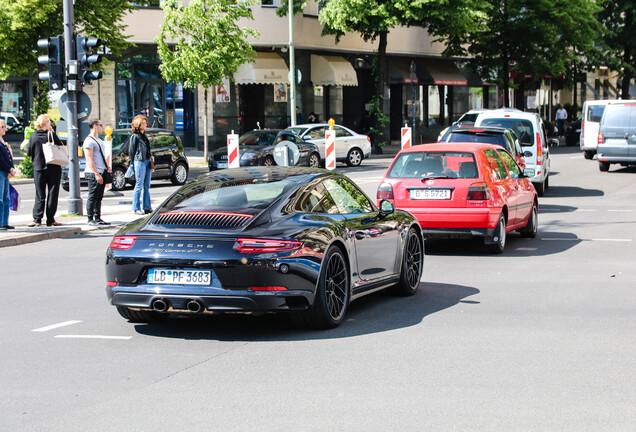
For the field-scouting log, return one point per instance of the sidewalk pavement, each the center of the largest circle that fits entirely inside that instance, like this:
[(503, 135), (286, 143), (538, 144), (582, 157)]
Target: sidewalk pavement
[(117, 215)]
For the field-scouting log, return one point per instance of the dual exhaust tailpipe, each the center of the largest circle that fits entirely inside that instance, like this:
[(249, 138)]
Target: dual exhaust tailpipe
[(162, 305)]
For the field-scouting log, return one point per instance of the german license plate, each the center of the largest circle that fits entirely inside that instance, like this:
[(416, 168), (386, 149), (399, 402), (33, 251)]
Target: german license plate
[(221, 164), (431, 194), (179, 277)]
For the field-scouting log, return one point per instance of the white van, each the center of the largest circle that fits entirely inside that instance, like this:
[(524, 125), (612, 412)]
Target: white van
[(591, 117), (534, 143), (13, 124)]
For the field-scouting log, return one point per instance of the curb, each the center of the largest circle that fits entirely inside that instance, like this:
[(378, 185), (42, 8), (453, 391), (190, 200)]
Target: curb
[(37, 237), (21, 181)]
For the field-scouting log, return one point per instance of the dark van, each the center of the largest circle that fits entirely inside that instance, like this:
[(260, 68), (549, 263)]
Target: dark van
[(617, 136)]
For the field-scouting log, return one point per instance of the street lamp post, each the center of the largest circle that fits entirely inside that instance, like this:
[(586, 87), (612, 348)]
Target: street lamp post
[(292, 65)]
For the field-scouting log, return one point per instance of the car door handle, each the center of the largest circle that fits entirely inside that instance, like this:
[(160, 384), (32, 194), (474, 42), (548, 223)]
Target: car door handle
[(360, 235)]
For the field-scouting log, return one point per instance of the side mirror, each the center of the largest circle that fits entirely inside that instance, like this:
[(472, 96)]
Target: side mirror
[(553, 142), (527, 153), (386, 208)]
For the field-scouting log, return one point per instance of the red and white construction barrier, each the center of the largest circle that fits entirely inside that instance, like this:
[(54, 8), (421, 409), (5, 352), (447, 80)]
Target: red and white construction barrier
[(406, 137), (233, 158), (330, 149)]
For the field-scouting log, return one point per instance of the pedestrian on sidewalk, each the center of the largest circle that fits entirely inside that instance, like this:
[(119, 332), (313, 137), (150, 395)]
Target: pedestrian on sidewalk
[(96, 168), (45, 176), (7, 170), (139, 154), (561, 117)]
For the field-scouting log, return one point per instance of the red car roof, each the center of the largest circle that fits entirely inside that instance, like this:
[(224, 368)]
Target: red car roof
[(453, 146)]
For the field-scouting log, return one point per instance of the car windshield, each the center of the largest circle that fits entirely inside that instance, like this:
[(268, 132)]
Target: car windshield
[(240, 195), (119, 139), (257, 138), (521, 127), (595, 113), (436, 164), (480, 137), (297, 130), (618, 116)]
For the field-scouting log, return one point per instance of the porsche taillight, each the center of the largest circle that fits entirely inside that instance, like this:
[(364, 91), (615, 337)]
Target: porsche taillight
[(385, 191), (122, 242), (248, 245), (478, 192)]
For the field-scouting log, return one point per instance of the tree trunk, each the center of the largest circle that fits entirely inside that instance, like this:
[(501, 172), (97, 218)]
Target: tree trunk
[(506, 80), (378, 124), (205, 125)]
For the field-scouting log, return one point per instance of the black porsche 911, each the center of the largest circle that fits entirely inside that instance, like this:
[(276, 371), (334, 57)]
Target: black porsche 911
[(263, 239), (257, 148)]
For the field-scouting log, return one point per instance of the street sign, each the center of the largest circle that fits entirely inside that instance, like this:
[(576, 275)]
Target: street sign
[(286, 153), (83, 106)]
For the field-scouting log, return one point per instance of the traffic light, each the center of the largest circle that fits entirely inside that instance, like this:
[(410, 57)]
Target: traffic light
[(84, 46), (53, 59)]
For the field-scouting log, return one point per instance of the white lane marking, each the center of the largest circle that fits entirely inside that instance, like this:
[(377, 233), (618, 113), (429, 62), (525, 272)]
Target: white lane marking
[(54, 326), (620, 210), (93, 337), (586, 210), (584, 239), (576, 157), (526, 249)]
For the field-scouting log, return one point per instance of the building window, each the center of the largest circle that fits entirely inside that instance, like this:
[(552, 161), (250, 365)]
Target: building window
[(271, 3)]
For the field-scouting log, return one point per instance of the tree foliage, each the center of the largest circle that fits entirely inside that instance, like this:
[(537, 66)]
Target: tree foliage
[(618, 39), (208, 42), (23, 22), (537, 37)]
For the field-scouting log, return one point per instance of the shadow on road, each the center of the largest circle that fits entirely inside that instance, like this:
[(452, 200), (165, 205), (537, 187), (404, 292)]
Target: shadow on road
[(570, 191), (375, 313)]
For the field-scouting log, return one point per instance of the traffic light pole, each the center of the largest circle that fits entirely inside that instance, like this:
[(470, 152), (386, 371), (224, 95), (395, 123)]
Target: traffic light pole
[(75, 206)]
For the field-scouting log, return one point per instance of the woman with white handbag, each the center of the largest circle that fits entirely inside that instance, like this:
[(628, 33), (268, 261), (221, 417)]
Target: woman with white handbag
[(47, 170)]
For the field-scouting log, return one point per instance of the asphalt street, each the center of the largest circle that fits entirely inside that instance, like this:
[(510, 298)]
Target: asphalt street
[(542, 337)]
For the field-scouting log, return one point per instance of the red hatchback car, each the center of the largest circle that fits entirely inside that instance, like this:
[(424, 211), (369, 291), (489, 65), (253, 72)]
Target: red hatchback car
[(462, 190)]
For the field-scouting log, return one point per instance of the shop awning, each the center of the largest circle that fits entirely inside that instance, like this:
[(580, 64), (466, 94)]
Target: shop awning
[(444, 72), (268, 68), (332, 70)]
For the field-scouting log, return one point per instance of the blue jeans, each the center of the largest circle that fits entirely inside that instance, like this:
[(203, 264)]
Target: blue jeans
[(143, 173), (5, 199)]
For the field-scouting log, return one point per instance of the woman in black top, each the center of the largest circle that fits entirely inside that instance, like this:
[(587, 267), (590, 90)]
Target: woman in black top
[(139, 154), (7, 170), (44, 175)]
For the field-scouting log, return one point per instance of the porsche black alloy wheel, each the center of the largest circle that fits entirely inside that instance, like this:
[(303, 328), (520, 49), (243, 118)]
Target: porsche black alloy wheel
[(411, 265), (141, 316), (332, 294)]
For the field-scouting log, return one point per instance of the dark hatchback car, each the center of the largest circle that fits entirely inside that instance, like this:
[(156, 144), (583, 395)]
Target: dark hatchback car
[(257, 148), (304, 241), (166, 148), (502, 137)]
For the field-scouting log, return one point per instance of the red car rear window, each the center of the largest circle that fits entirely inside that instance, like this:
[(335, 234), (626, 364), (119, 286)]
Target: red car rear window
[(448, 164)]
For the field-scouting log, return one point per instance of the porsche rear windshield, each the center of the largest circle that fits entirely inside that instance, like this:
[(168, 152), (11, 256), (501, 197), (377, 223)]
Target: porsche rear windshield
[(229, 195), (434, 164)]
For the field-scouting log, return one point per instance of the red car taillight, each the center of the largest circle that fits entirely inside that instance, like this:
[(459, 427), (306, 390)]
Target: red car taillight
[(385, 191), (122, 242), (539, 148), (600, 139), (269, 288), (266, 246), (478, 192)]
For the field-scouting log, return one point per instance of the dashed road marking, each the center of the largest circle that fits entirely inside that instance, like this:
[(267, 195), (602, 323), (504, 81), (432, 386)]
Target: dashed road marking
[(93, 337), (583, 239), (54, 326), (620, 210)]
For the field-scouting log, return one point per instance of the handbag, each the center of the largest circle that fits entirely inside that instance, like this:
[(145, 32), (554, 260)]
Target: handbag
[(14, 203), (130, 171), (54, 154)]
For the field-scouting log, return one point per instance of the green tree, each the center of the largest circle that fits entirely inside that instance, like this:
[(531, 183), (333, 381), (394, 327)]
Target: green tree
[(23, 22), (202, 43), (537, 37), (374, 20), (618, 37)]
